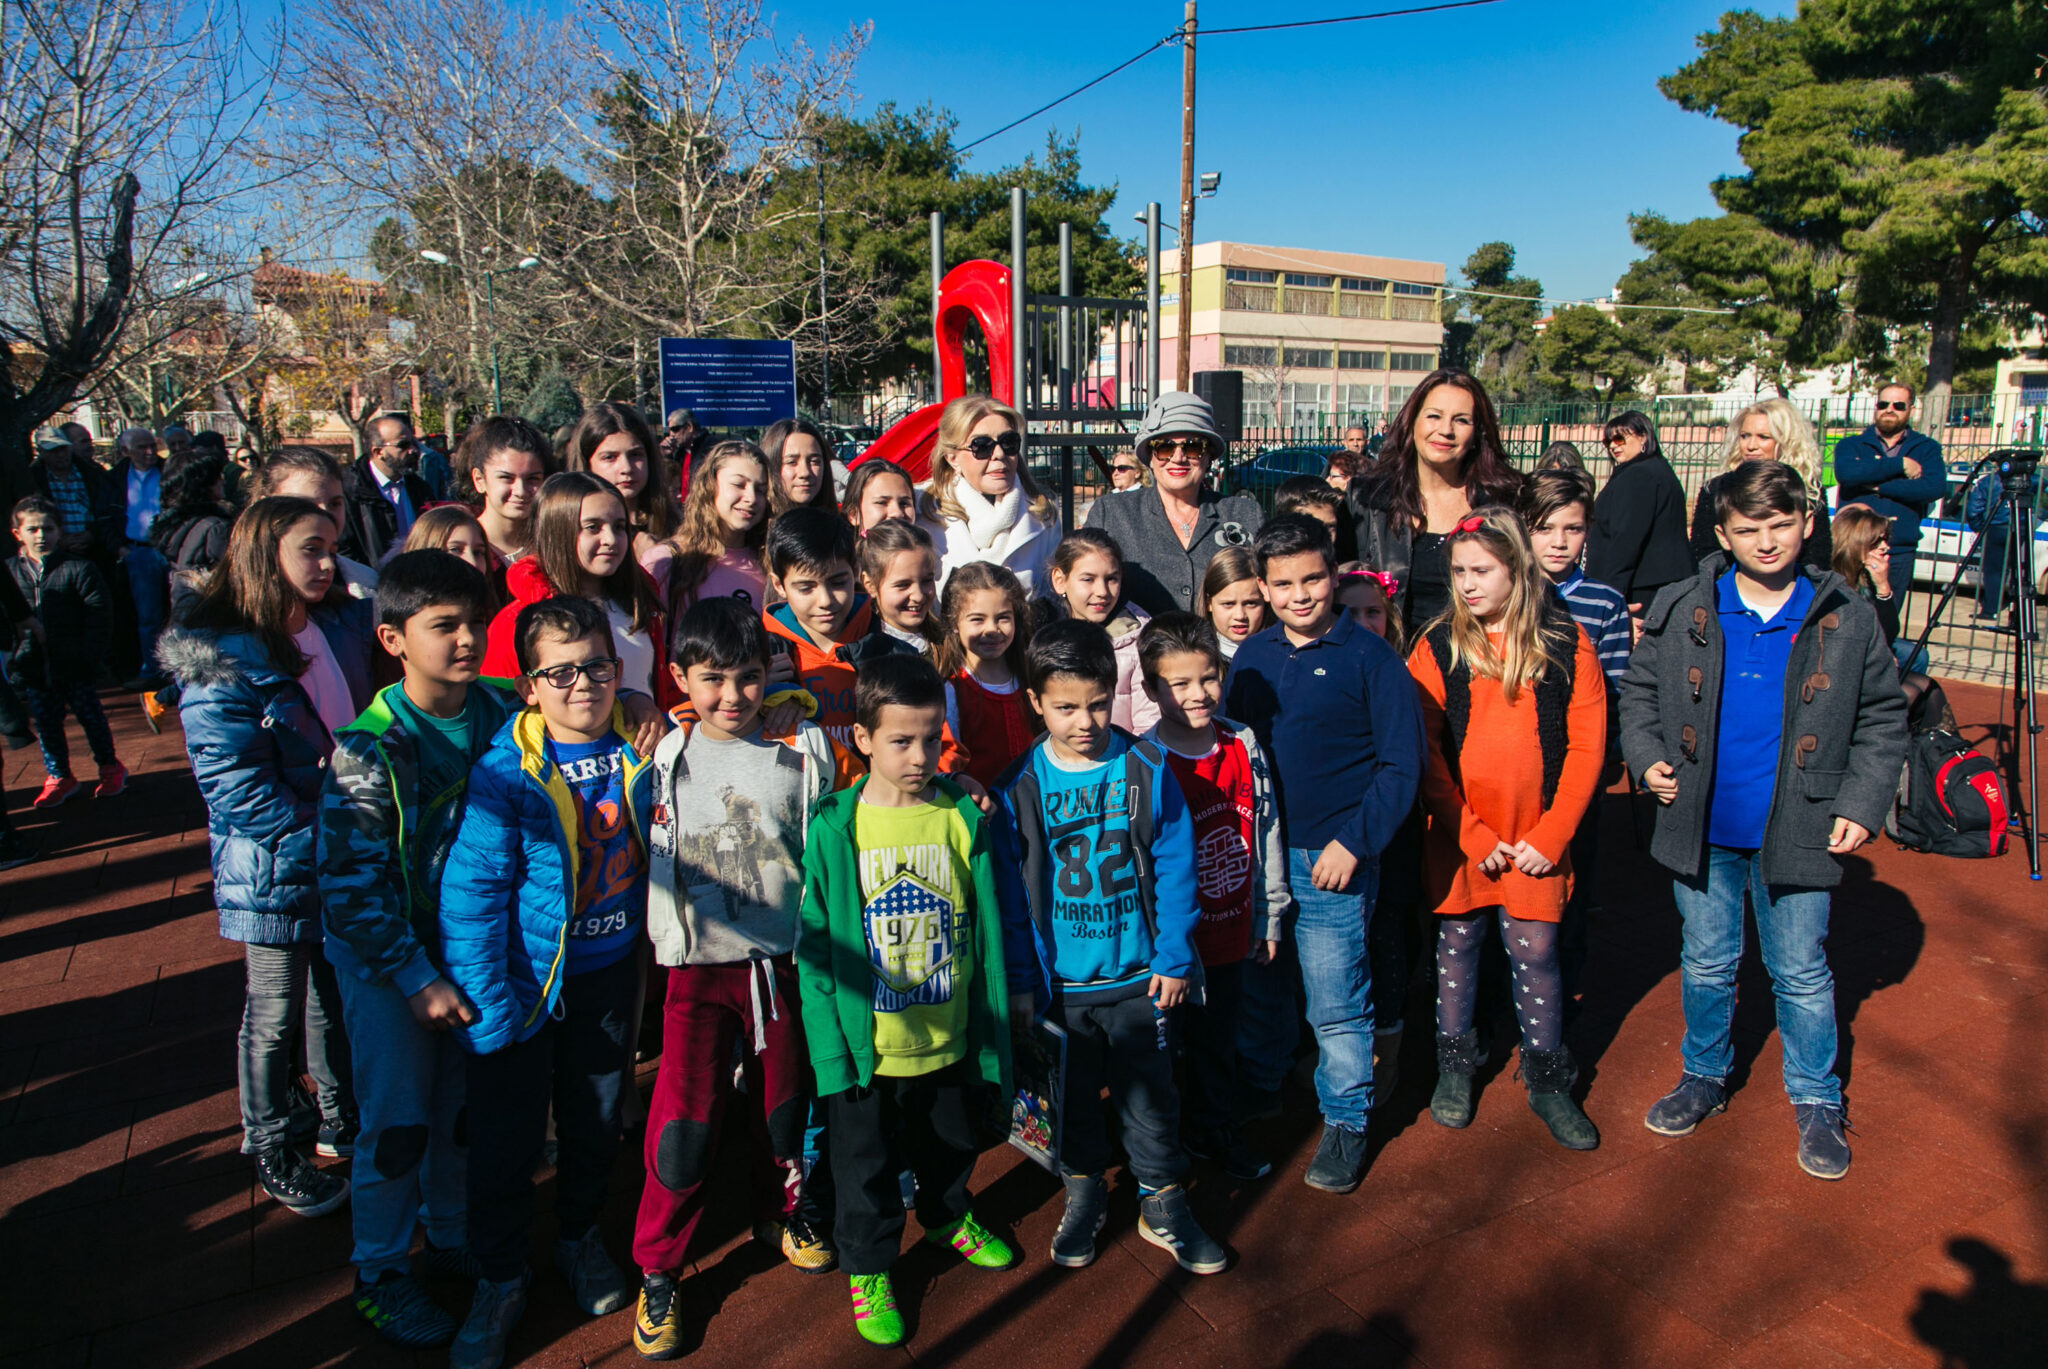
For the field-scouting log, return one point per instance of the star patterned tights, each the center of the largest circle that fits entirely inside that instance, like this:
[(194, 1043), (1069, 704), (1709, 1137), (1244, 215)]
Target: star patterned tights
[(1532, 952)]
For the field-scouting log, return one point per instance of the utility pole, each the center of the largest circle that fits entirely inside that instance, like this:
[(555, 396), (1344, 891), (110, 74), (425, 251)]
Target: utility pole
[(1183, 314), (824, 323)]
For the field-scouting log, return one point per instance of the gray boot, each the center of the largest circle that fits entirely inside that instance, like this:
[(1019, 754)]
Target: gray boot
[(1550, 1076), (1457, 1059)]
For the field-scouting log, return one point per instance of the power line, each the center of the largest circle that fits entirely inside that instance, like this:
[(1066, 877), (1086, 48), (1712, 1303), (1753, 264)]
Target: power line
[(1176, 35), (1345, 18), (1072, 93)]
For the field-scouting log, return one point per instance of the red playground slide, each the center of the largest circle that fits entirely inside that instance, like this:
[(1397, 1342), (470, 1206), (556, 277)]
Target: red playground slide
[(908, 443), (973, 294)]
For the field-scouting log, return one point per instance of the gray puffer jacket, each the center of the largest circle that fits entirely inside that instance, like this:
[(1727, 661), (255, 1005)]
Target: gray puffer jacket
[(1839, 753)]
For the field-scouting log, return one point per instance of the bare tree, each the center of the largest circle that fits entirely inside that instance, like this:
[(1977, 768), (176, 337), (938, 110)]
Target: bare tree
[(126, 128)]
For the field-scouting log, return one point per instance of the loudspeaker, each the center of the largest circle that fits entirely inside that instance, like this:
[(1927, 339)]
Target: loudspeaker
[(1225, 392)]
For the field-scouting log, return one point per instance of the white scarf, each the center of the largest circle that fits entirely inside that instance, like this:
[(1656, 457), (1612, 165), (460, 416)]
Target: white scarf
[(988, 520)]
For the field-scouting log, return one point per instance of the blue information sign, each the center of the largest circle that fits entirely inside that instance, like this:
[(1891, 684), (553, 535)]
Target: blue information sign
[(729, 382)]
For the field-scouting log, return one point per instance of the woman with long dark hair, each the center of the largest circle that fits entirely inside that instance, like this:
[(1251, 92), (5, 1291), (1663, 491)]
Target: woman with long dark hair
[(1443, 458), (1638, 542), (799, 465)]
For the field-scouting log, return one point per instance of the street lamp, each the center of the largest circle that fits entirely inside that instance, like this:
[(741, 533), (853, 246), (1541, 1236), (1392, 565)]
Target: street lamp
[(434, 258)]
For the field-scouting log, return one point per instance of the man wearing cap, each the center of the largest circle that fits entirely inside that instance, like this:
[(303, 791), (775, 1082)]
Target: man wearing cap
[(1169, 532), (67, 476)]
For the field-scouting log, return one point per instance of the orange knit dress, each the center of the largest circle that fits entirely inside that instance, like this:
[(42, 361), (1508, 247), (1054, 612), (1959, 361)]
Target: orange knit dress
[(1495, 793)]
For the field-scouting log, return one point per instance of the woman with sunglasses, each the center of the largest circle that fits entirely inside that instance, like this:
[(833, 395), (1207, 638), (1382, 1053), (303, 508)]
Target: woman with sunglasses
[(1442, 459), (1168, 533), (981, 503), (1638, 541)]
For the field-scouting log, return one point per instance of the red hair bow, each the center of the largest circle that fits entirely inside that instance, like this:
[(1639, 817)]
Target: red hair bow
[(1471, 524)]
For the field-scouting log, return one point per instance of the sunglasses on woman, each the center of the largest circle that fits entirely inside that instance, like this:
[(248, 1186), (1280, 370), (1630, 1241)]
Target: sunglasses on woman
[(983, 448)]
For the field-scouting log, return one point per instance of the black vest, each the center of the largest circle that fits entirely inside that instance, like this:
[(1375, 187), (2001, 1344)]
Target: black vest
[(1553, 691)]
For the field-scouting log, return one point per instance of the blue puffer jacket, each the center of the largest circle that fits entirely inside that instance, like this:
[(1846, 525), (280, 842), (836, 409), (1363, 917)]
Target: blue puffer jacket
[(259, 752), (508, 891)]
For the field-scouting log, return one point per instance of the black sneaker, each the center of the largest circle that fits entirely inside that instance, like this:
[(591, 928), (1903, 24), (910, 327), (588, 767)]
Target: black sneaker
[(456, 1263), (1073, 1245), (400, 1311), (15, 849), (1823, 1146), (1232, 1153), (336, 1139), (297, 1186), (1165, 1221), (1339, 1162), (1685, 1107)]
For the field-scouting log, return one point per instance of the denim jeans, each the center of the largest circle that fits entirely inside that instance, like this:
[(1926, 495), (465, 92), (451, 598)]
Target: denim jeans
[(1331, 938), (1792, 930), (577, 1061), (49, 706), (409, 1160), (1269, 1018), (150, 588), (287, 984), (1209, 1039)]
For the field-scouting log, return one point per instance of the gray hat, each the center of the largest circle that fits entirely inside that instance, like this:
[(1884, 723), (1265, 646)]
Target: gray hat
[(1179, 411), (52, 439)]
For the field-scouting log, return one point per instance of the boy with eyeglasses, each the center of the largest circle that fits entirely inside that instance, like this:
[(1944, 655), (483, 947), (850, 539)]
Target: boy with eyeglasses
[(543, 905)]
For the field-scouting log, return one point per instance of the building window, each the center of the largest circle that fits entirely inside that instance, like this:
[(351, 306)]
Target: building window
[(1397, 395), (1364, 283), (1258, 413), (1361, 361), (1239, 273), (1256, 298), (1402, 287), (1238, 355), (1303, 406), (1359, 403), (1308, 282), (1413, 361), (1312, 358)]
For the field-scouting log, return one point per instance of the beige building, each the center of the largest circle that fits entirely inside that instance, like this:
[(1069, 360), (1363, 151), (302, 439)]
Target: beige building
[(1323, 338)]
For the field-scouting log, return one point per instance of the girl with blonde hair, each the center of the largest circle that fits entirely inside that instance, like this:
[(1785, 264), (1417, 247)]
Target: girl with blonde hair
[(717, 547), (1769, 430), (981, 503), (1507, 677)]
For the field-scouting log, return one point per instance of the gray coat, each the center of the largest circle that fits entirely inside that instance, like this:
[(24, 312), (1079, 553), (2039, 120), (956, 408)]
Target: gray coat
[(1843, 741), (1160, 575)]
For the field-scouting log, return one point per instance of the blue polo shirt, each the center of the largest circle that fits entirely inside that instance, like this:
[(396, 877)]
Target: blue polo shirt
[(1755, 654), (1339, 719)]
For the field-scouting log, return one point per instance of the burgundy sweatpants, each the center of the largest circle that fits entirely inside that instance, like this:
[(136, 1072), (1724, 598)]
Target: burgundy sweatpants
[(710, 1009)]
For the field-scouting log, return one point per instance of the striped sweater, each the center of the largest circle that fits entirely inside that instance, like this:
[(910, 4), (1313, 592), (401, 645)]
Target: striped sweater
[(1603, 613)]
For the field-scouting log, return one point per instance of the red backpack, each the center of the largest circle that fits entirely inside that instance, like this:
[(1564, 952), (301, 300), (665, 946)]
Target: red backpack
[(1950, 799)]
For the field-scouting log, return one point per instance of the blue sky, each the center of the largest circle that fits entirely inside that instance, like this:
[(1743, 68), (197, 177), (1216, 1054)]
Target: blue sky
[(1534, 121)]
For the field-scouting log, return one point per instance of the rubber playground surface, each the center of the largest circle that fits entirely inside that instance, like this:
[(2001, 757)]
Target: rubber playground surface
[(131, 1231)]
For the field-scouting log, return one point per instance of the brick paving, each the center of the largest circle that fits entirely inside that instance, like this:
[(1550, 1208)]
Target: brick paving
[(132, 1232)]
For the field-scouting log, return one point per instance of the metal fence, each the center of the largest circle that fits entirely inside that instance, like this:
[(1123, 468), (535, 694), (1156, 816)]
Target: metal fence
[(1693, 434)]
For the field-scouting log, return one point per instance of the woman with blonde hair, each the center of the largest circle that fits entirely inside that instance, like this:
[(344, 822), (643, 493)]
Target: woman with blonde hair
[(1769, 430), (1508, 679), (981, 503)]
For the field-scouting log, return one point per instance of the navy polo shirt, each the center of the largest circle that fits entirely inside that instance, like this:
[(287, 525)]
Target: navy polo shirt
[(1340, 724), (1755, 655)]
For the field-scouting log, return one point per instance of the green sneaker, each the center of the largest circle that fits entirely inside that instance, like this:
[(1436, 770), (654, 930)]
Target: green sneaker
[(874, 1309), (978, 1245)]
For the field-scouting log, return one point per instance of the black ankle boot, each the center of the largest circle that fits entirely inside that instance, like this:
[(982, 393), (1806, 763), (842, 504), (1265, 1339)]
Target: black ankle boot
[(1457, 1059), (1550, 1076)]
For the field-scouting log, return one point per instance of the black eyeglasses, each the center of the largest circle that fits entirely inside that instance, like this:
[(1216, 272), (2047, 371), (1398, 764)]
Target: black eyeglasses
[(1900, 404), (600, 670), (983, 448)]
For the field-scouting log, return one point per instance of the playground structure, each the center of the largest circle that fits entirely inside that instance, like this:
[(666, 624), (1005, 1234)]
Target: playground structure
[(1079, 369)]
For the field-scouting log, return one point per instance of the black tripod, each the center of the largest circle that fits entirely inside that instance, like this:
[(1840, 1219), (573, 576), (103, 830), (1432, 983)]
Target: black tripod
[(2017, 473)]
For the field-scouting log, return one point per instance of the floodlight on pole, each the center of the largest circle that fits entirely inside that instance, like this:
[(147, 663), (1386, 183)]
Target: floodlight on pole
[(1210, 180), (438, 258), (428, 254)]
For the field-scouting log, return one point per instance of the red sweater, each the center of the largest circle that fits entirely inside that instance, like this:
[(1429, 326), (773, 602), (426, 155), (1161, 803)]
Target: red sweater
[(528, 584)]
